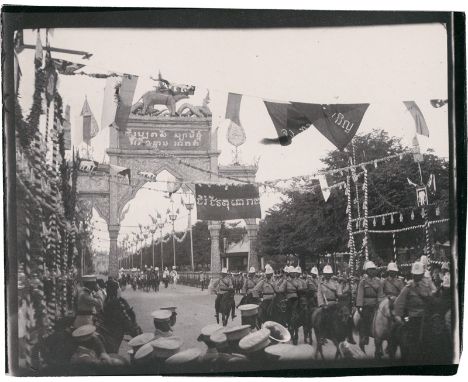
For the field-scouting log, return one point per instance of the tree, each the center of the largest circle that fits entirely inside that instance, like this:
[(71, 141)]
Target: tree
[(305, 225)]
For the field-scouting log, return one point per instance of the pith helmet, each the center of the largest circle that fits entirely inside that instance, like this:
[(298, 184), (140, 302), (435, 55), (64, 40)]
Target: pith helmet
[(417, 268), (298, 269), (327, 269), (224, 270), (269, 270), (392, 267), (369, 265), (314, 271), (252, 270)]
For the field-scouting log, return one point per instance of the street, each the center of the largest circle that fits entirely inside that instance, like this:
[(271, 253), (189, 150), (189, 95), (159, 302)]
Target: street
[(195, 309)]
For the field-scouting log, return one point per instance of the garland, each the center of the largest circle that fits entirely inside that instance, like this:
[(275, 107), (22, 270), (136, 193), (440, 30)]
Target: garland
[(365, 210), (351, 245), (406, 229)]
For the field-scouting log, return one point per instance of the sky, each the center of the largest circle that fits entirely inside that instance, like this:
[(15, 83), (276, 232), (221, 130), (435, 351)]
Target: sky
[(382, 65)]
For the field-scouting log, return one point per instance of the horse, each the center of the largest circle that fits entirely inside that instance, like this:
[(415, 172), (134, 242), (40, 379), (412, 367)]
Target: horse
[(225, 306), (276, 311), (116, 320), (381, 329), (333, 323)]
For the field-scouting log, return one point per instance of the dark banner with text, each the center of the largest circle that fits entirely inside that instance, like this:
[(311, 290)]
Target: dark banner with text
[(217, 202)]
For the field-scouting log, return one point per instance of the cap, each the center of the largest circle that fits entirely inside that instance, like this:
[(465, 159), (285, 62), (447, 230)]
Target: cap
[(314, 271), (248, 310), (141, 339), (276, 351), (255, 341), (417, 268), (298, 353), (208, 330), (278, 333), (252, 270), (236, 332), (224, 270), (166, 347), (369, 265), (143, 353), (327, 269), (268, 270), (88, 278), (184, 357), (392, 267), (218, 337), (161, 315), (84, 332), (171, 308)]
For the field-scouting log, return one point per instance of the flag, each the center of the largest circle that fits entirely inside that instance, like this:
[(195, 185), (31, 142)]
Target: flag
[(119, 170), (88, 122), (438, 102), (337, 122), (66, 67), (39, 51), (287, 121), (324, 187), (233, 107), (432, 182), (420, 122)]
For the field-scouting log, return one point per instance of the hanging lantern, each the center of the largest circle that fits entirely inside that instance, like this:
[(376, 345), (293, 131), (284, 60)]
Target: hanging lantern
[(423, 213), (375, 164), (357, 224), (437, 211), (401, 217), (412, 215), (374, 222), (391, 219), (401, 156), (383, 220)]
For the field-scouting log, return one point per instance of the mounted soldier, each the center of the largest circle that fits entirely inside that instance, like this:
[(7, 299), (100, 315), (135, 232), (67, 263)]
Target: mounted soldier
[(392, 285), (266, 289), (369, 294), (250, 297), (224, 286)]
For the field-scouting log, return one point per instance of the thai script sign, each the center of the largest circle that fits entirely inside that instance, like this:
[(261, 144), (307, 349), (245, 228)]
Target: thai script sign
[(225, 202), (169, 138)]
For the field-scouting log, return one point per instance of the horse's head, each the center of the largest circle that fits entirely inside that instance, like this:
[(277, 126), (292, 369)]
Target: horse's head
[(343, 314), (130, 325)]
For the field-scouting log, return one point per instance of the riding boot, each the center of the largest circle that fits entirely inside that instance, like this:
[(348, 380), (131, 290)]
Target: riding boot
[(217, 318)]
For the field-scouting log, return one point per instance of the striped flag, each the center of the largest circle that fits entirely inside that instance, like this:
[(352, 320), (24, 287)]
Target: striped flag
[(88, 123)]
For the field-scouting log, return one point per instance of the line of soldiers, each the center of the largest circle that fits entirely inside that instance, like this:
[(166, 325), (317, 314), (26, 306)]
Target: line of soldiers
[(309, 291), (148, 279)]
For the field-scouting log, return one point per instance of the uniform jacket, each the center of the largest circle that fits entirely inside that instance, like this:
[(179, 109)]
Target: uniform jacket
[(412, 300), (392, 287), (266, 289), (224, 285), (328, 290), (249, 284), (369, 292), (312, 285), (291, 288), (160, 334)]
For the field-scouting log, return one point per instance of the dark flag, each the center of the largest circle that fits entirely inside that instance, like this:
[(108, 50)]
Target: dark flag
[(337, 122), (39, 53), (420, 122), (233, 107), (438, 102), (122, 171), (287, 121)]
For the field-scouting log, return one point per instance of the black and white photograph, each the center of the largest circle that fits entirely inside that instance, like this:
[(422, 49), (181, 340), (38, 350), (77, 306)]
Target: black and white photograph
[(203, 193)]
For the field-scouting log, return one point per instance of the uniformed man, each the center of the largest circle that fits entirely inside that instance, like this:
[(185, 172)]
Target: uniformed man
[(266, 289), (312, 288), (392, 285), (174, 276), (329, 290), (369, 294), (249, 285), (87, 303), (427, 279), (90, 349), (413, 303), (223, 286), (161, 322), (291, 287)]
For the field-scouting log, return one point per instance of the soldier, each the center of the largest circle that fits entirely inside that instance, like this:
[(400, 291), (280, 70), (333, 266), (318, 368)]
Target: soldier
[(392, 285), (161, 322), (223, 286), (312, 288), (427, 279), (329, 290), (90, 350), (156, 279), (87, 303), (266, 290), (174, 276), (247, 288), (369, 294), (413, 303)]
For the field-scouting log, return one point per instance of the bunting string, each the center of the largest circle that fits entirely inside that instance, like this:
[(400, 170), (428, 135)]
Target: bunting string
[(406, 229), (366, 221)]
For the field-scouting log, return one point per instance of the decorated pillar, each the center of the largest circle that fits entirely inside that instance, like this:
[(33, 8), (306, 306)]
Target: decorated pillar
[(113, 251), (214, 228), (252, 230)]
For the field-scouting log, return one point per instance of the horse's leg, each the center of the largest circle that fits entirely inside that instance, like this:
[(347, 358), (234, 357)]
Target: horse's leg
[(337, 354), (378, 347)]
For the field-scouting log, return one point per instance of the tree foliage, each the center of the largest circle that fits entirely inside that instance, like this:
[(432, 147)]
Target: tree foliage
[(305, 225)]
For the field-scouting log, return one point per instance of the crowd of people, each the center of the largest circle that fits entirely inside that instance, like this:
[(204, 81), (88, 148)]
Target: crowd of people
[(148, 279)]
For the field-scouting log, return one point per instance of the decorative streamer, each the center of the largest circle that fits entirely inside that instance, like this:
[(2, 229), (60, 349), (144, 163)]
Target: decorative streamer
[(351, 245), (395, 255), (366, 224)]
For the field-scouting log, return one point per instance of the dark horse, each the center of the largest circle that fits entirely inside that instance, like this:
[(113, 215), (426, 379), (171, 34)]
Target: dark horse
[(276, 310), (225, 306), (117, 319), (333, 322)]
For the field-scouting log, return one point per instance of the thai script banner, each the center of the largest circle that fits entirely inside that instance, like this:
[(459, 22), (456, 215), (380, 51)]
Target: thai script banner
[(169, 138), (226, 202)]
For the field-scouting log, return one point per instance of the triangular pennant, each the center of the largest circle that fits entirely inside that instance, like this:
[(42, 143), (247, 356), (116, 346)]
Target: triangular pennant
[(39, 53), (324, 187), (420, 122)]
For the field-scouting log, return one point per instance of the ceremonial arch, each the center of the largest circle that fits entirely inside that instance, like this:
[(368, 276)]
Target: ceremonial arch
[(183, 143)]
